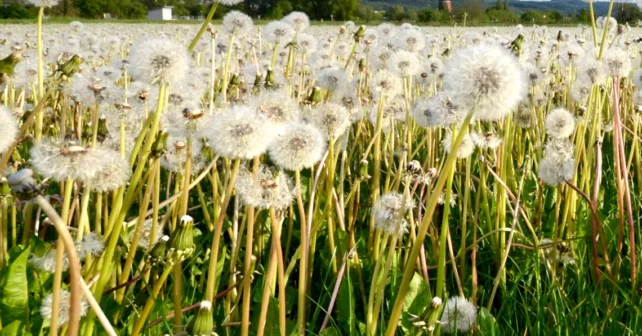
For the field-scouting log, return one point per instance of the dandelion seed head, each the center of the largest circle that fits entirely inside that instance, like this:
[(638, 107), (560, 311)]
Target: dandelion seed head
[(300, 146), (278, 32), (331, 118), (404, 63), (390, 213), (239, 133), (559, 123), (459, 315), (114, 174), (146, 235), (465, 149), (487, 78), (159, 60), (411, 40), (298, 20), (558, 164), (230, 2), (237, 23), (437, 111), (64, 305), (90, 244), (617, 62), (386, 84), (267, 190), (44, 3), (62, 161), (47, 263)]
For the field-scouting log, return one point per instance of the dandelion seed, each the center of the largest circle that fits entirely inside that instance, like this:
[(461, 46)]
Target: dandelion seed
[(617, 62), (332, 79), (298, 20), (558, 164), (114, 174), (385, 84), (404, 63), (237, 23), (487, 140), (146, 235), (278, 32), (437, 111), (47, 263), (91, 244)]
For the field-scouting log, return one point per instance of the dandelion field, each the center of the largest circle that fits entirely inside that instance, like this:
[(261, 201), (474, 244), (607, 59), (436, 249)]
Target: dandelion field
[(288, 179)]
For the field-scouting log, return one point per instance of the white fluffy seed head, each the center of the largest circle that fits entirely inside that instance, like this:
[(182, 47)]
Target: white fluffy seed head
[(298, 20), (8, 129), (230, 2), (47, 263), (64, 306), (437, 111), (332, 119), (385, 84), (411, 40), (114, 174), (146, 235), (44, 3), (332, 79), (159, 60), (404, 63), (465, 149), (239, 133), (268, 189), (487, 78), (66, 161), (558, 164), (390, 213), (278, 32), (617, 62), (91, 244), (237, 23), (277, 107), (559, 123), (459, 315), (300, 146)]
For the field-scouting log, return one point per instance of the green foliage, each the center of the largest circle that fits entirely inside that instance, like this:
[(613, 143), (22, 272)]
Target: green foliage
[(15, 11), (628, 13), (14, 296)]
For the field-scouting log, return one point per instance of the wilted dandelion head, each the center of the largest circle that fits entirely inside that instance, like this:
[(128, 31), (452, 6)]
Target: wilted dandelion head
[(278, 32), (268, 189), (558, 164), (487, 78), (8, 129), (332, 79), (404, 63), (332, 119), (64, 304), (465, 149), (559, 123), (390, 213), (299, 146), (237, 23), (239, 133), (386, 84), (298, 20), (437, 111), (159, 60), (459, 315), (66, 160), (114, 174)]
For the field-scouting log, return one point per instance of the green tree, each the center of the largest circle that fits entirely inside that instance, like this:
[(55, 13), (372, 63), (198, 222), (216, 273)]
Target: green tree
[(396, 13), (628, 13)]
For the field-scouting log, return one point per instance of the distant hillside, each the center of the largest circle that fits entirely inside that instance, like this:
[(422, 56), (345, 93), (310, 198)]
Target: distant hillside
[(564, 6)]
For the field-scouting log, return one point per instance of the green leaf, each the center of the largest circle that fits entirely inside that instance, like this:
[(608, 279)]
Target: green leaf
[(417, 299), (16, 328), (346, 306), (331, 331), (14, 290), (487, 323)]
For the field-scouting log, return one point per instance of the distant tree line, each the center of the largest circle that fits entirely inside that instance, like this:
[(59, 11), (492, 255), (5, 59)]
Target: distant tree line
[(473, 11)]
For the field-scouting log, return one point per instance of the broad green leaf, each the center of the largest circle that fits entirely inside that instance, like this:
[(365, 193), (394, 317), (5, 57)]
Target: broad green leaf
[(16, 328), (487, 323), (14, 290), (417, 299), (346, 305)]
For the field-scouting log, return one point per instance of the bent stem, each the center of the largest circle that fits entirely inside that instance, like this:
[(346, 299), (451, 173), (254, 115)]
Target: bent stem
[(207, 21)]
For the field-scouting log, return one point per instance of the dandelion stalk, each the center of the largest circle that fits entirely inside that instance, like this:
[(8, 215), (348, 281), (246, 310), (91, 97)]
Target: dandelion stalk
[(204, 26)]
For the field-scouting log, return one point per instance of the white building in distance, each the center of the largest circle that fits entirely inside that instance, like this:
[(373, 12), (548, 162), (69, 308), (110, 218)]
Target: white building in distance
[(162, 13)]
